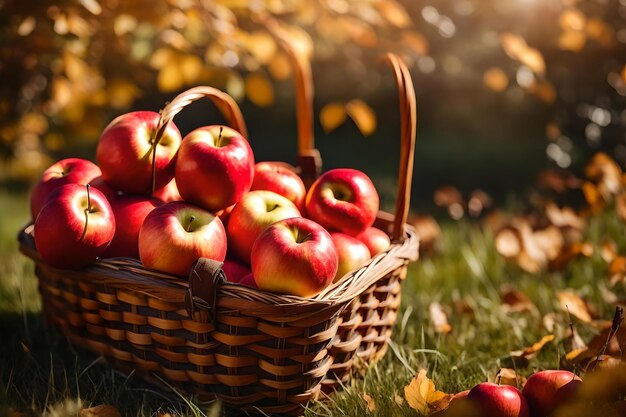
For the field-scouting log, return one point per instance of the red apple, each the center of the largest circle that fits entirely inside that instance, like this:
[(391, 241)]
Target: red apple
[(66, 171), (545, 390), (375, 239), (175, 235), (248, 280), (344, 200), (498, 400), (251, 216), (294, 256), (130, 211), (279, 178), (168, 193), (74, 227), (214, 167), (224, 214), (100, 184), (352, 253), (234, 270), (124, 152)]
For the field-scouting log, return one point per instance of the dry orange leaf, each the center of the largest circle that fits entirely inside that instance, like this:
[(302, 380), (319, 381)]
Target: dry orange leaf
[(535, 348), (370, 403), (332, 116), (259, 90), (617, 270), (508, 376), (422, 396), (515, 301), (362, 115), (439, 318), (103, 410), (571, 302)]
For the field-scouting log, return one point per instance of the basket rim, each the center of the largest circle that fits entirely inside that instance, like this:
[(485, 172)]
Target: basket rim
[(128, 274)]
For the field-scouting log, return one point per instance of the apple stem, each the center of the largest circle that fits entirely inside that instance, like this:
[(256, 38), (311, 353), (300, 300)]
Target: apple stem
[(87, 211), (302, 238), (190, 221)]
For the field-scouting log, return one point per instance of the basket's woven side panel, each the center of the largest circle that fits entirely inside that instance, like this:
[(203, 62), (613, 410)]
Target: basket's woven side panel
[(365, 328), (246, 361)]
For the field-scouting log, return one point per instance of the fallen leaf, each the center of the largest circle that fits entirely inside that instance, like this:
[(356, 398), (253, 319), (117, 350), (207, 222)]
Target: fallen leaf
[(565, 217), (515, 301), (575, 305), (421, 394), (332, 116), (508, 376), (508, 242), (608, 250), (617, 270), (427, 229), (397, 398), (606, 173), (362, 115), (439, 318), (370, 404), (102, 410), (534, 349)]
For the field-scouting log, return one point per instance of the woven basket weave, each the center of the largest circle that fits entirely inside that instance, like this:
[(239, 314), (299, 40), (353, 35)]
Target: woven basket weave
[(254, 350)]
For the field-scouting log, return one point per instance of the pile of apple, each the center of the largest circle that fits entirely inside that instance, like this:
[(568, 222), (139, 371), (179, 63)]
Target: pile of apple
[(211, 200), (543, 393)]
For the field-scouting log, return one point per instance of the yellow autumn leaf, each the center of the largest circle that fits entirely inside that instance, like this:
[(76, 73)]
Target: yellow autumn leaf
[(362, 115), (571, 302), (370, 403), (421, 394), (259, 90), (394, 13), (332, 116), (170, 77)]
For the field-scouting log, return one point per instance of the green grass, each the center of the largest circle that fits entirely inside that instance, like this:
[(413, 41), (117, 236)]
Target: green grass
[(41, 371)]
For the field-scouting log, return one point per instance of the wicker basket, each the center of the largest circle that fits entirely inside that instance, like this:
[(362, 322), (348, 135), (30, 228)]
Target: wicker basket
[(254, 350)]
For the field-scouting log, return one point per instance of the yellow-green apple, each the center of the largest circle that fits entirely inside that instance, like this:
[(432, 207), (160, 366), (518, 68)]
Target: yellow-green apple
[(279, 178), (66, 171), (168, 193), (74, 227), (546, 390), (253, 214), (495, 400), (294, 256), (248, 280), (214, 167), (130, 211), (235, 270), (375, 239), (344, 200), (101, 185), (125, 150), (175, 235), (351, 252)]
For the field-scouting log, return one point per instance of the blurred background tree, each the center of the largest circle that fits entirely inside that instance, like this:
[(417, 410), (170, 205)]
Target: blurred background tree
[(504, 86)]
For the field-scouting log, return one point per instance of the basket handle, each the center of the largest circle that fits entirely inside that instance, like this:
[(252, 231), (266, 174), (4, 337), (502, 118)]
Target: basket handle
[(309, 159), (204, 279), (408, 127), (224, 103)]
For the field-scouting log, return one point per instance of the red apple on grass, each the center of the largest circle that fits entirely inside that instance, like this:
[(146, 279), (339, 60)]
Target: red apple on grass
[(343, 199), (66, 171), (545, 390), (130, 211), (74, 227), (375, 239), (168, 193), (498, 400), (352, 253), (279, 178), (214, 167), (124, 152), (294, 256), (235, 270), (175, 235), (251, 216)]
